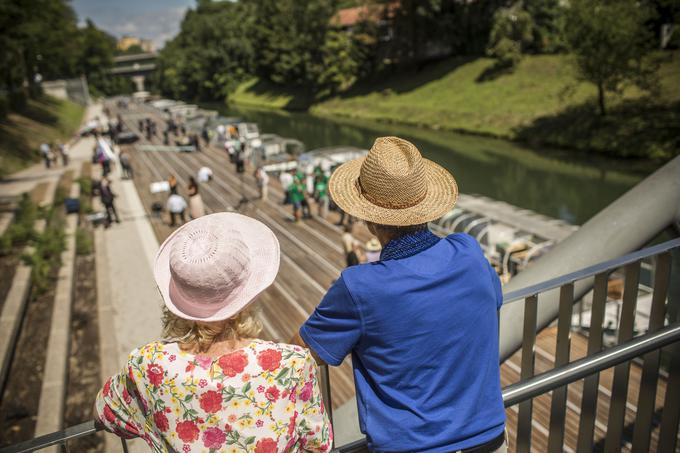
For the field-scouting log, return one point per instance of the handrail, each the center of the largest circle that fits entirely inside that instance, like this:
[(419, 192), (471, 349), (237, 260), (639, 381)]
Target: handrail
[(557, 377), (590, 271), (57, 437), (512, 394)]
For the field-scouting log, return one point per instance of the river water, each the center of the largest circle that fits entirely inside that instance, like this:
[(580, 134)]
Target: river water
[(557, 184)]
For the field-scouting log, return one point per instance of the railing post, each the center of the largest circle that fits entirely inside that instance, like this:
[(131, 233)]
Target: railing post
[(668, 433), (650, 370), (586, 428), (528, 348), (558, 404), (326, 393), (617, 405)]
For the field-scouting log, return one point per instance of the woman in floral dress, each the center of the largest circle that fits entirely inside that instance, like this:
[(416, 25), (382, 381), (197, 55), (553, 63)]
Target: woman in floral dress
[(211, 385)]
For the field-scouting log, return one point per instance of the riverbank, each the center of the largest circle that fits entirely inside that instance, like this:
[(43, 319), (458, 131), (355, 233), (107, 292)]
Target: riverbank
[(42, 120), (541, 103)]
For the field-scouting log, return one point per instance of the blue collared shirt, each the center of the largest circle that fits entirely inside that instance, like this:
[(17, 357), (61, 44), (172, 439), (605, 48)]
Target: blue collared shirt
[(422, 327)]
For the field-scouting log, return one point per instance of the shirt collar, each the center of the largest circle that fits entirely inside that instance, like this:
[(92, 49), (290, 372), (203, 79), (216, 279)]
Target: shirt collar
[(408, 245)]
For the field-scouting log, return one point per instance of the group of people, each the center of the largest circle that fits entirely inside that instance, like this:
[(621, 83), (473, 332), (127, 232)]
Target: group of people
[(177, 206), (148, 127), (51, 152), (357, 252), (421, 325), (299, 187)]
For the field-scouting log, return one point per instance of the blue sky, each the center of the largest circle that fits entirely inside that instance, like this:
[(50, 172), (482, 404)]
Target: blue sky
[(157, 20)]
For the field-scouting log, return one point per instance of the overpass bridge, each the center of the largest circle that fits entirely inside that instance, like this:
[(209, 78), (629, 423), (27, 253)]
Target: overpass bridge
[(137, 67)]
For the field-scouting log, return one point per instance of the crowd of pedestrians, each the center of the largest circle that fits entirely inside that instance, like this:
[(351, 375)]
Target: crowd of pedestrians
[(419, 317)]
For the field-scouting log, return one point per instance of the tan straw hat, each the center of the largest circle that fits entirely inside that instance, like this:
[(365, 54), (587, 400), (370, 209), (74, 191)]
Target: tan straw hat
[(393, 185)]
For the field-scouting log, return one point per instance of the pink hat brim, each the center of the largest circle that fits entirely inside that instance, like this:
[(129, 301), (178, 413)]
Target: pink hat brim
[(264, 266)]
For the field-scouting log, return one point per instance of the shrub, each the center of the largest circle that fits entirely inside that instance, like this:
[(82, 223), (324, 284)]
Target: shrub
[(84, 245)]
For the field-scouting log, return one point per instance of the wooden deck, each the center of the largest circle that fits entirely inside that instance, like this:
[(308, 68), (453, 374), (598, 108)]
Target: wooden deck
[(312, 259)]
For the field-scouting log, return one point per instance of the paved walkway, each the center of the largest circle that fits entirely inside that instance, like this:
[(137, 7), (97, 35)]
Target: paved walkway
[(128, 300), (129, 303)]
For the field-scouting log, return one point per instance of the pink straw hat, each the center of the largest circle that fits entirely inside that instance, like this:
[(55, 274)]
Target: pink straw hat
[(213, 267)]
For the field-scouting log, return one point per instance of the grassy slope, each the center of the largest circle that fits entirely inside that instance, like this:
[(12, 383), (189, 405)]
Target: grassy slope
[(541, 102), (43, 120)]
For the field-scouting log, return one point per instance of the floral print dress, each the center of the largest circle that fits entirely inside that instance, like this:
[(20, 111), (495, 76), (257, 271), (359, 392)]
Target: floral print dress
[(262, 398)]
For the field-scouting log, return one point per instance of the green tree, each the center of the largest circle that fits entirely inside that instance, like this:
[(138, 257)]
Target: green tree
[(290, 35), (548, 17), (341, 64), (510, 34), (611, 44), (97, 49), (212, 53)]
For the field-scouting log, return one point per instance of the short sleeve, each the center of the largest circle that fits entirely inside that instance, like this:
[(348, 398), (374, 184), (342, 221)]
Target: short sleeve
[(119, 406), (312, 425), (334, 328)]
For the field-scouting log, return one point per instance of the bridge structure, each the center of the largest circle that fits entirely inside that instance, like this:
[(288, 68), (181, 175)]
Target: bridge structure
[(137, 67)]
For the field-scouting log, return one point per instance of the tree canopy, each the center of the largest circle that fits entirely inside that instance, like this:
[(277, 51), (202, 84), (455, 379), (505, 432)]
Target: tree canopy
[(40, 40), (611, 43)]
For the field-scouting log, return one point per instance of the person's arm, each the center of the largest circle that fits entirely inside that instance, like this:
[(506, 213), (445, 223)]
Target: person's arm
[(312, 424), (118, 406), (334, 328)]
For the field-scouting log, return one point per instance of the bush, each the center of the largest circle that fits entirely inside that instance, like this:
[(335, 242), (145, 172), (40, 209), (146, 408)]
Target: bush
[(20, 232), (47, 253), (84, 244), (85, 185)]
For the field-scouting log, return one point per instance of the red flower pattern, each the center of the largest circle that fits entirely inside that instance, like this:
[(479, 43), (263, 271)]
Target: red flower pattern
[(266, 445), (187, 431), (272, 393), (155, 374), (213, 438), (269, 359), (233, 363), (211, 401), (185, 393), (161, 421)]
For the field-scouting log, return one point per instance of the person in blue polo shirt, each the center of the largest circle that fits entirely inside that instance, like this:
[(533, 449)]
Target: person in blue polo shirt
[(421, 323)]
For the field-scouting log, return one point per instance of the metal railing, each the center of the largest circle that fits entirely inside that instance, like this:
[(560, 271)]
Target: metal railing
[(522, 393)]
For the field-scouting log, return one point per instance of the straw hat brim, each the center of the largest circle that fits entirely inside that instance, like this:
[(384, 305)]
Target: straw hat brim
[(441, 197), (264, 258)]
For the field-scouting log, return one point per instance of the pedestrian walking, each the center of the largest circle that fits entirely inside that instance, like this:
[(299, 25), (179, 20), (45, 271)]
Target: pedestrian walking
[(286, 180), (64, 153), (262, 180), (196, 208), (172, 183), (349, 245), (204, 174), (240, 160), (45, 152), (298, 200), (107, 197), (126, 165), (208, 273), (176, 206), (321, 194), (422, 327)]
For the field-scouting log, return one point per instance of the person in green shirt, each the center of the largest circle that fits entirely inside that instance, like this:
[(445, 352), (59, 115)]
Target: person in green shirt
[(297, 198), (321, 191)]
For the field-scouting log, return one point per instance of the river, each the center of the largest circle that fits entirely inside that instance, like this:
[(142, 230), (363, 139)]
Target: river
[(558, 184)]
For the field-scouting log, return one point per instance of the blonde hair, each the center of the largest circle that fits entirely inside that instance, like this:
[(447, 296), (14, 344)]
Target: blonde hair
[(197, 336)]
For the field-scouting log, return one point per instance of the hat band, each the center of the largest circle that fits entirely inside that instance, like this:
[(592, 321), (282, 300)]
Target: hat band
[(388, 204)]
